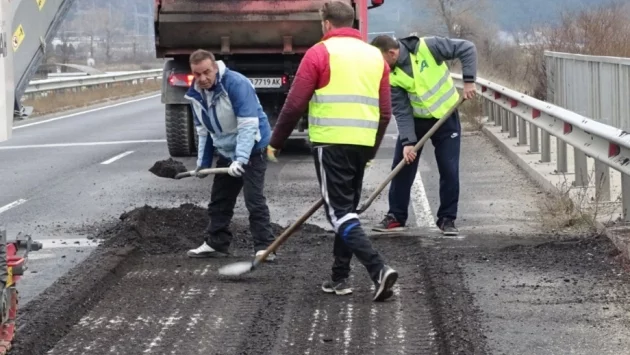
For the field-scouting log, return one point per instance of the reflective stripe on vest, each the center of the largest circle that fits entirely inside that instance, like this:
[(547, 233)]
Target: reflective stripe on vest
[(431, 91), (346, 111)]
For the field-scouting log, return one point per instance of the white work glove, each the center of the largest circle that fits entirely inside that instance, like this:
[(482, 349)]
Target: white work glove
[(236, 169)]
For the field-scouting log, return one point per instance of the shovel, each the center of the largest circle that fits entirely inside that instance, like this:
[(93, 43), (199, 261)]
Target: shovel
[(173, 169), (242, 267)]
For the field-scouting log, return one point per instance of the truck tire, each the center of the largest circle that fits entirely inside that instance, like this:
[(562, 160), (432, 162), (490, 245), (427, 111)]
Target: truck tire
[(180, 132)]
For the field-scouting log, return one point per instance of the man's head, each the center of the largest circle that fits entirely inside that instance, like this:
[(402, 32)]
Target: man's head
[(336, 14), (204, 68), (389, 48)]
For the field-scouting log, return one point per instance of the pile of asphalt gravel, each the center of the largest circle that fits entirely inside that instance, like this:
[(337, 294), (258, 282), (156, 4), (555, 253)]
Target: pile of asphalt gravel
[(167, 168), (172, 230)]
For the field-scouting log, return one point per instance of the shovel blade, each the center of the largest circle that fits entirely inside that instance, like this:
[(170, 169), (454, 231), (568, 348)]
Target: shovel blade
[(236, 269), (169, 169)]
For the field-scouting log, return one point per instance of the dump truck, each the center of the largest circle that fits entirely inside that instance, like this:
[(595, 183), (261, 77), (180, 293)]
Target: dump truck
[(264, 40)]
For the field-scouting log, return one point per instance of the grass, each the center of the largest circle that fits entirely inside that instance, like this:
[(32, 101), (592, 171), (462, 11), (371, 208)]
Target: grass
[(576, 209), (471, 112), (68, 100)]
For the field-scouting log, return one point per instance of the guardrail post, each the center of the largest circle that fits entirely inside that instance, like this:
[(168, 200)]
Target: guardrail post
[(512, 124), (581, 168), (522, 131), (625, 197), (496, 112), (545, 145), (492, 117), (504, 120), (485, 108), (602, 182), (561, 156), (533, 138)]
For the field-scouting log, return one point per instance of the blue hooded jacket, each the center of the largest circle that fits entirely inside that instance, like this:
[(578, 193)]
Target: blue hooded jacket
[(231, 112)]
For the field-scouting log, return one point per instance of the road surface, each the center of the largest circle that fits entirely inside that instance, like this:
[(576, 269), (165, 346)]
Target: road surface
[(502, 287)]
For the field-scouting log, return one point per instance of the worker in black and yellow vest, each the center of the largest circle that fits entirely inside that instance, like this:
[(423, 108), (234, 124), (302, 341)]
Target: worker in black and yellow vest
[(423, 92), (345, 84)]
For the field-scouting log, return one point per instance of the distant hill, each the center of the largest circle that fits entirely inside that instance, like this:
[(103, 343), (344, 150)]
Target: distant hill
[(509, 15)]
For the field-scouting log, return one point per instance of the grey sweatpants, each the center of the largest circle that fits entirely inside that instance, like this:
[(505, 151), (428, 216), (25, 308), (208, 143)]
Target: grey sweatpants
[(225, 190)]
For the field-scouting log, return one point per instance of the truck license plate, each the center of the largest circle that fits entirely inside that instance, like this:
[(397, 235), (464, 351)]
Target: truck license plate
[(266, 83)]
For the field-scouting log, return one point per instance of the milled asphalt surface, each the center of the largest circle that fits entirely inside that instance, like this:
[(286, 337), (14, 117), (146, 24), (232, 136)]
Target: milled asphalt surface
[(504, 287)]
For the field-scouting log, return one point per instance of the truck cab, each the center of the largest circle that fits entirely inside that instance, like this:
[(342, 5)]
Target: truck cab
[(263, 40)]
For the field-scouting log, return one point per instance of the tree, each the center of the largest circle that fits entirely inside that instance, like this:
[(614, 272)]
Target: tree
[(459, 18)]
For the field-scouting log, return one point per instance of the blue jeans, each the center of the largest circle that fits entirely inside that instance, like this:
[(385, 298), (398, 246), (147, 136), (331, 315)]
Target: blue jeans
[(447, 142)]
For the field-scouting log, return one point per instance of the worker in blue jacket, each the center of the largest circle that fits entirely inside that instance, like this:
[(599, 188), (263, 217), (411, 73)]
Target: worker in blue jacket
[(228, 116)]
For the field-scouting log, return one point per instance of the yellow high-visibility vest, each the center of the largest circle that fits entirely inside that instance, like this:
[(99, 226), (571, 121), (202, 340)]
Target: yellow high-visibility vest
[(346, 111), (431, 91)]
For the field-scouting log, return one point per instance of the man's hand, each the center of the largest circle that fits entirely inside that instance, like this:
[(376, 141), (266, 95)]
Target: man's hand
[(236, 169), (200, 176), (408, 154), (271, 154), (469, 90), (368, 164)]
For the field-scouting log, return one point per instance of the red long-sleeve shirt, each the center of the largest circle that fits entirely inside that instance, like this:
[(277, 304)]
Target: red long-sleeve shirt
[(314, 73)]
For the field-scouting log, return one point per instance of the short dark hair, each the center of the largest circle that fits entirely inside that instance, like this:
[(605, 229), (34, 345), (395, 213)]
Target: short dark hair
[(200, 55), (384, 43), (338, 13)]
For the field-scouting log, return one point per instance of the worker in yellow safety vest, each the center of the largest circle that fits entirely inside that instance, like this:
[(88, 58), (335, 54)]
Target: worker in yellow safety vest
[(345, 84), (423, 92)]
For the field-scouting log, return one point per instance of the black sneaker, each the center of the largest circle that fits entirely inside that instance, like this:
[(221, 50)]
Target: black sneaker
[(447, 226), (341, 287), (389, 224), (383, 286)]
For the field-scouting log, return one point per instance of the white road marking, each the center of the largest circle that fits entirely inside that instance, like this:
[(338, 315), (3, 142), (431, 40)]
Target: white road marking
[(35, 255), (67, 243), (86, 112), (347, 333), (313, 327), (12, 205), (374, 332), (167, 323), (82, 144), (400, 333), (119, 156), (420, 203)]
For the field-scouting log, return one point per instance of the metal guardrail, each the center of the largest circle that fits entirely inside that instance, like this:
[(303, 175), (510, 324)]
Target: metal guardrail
[(37, 86), (514, 112)]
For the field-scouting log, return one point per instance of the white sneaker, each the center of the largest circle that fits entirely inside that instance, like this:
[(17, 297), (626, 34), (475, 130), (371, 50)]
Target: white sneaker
[(203, 251), (270, 258)]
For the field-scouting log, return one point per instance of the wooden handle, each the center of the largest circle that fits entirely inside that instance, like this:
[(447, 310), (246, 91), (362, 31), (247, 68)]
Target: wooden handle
[(287, 233), (402, 163), (202, 171)]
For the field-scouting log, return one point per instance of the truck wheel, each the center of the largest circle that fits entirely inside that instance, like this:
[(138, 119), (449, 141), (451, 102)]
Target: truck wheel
[(180, 132)]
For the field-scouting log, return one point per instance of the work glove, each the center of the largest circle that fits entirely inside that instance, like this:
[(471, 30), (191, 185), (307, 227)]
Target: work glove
[(368, 164), (200, 176), (236, 169), (271, 154)]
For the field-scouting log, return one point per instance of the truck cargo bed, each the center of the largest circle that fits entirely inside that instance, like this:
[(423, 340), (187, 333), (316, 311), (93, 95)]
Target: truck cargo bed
[(237, 26)]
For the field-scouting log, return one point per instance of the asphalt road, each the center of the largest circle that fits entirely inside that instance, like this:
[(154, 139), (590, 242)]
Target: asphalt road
[(491, 290)]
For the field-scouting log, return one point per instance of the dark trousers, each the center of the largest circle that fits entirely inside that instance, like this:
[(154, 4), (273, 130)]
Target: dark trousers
[(447, 142), (225, 190), (340, 170)]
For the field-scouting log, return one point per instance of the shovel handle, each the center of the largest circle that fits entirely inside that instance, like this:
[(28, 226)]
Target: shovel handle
[(402, 163), (202, 171), (288, 232)]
